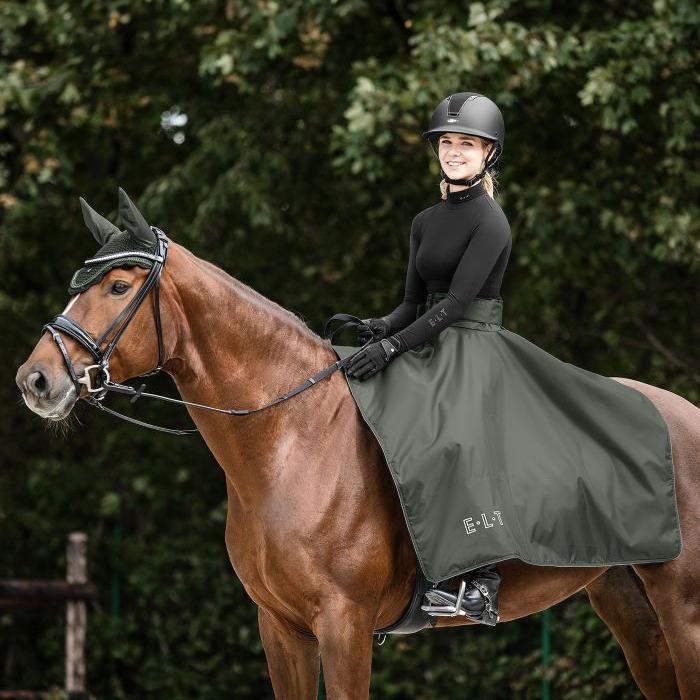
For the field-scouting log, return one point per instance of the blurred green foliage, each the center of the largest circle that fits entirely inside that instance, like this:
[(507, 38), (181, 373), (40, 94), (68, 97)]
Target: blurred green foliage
[(298, 170)]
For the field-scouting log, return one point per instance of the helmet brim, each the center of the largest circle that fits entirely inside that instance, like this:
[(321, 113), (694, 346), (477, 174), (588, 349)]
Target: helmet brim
[(434, 133)]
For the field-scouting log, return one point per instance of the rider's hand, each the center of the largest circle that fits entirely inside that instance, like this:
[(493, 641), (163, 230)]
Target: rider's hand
[(374, 358), (374, 329)]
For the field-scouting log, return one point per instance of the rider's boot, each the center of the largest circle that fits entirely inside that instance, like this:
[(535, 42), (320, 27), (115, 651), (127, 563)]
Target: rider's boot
[(477, 600)]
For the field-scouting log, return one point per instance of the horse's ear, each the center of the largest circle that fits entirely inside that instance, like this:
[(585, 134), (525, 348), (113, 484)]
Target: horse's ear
[(133, 220), (102, 229)]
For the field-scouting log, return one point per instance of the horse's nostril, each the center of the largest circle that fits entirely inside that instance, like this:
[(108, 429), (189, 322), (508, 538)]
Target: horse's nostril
[(37, 383)]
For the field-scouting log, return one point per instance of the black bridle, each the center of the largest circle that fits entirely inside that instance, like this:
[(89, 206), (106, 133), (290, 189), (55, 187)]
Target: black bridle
[(103, 383)]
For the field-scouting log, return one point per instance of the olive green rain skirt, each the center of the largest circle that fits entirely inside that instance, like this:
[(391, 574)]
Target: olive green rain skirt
[(499, 450)]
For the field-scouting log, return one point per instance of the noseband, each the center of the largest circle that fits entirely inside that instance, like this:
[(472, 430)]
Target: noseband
[(103, 383)]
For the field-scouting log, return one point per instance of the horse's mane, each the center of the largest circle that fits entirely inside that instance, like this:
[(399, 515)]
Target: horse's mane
[(255, 297)]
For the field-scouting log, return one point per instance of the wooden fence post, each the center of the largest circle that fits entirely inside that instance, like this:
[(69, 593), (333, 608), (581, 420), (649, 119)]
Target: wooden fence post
[(76, 614)]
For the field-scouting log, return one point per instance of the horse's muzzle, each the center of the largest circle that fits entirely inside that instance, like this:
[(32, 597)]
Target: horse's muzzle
[(49, 394)]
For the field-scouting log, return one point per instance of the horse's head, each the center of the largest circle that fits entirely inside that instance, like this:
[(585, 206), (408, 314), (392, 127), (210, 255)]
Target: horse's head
[(106, 329)]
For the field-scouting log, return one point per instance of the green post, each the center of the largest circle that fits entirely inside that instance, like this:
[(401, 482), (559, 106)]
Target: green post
[(116, 592), (321, 686), (116, 606), (546, 651)]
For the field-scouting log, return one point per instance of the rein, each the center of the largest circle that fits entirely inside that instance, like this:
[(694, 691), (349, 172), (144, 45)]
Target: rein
[(103, 383)]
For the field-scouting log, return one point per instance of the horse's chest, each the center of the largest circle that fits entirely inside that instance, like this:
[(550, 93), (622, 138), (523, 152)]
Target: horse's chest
[(261, 555)]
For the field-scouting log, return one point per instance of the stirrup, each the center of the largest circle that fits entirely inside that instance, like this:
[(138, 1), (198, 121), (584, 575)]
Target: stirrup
[(484, 610)]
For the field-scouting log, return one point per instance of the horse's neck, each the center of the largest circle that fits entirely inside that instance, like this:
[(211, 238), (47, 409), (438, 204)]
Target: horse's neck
[(236, 349)]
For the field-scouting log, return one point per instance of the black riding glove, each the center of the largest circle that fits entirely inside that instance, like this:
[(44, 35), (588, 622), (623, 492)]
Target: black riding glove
[(374, 358), (373, 329)]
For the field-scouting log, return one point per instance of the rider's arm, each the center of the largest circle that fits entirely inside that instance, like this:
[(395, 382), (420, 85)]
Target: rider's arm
[(483, 250), (415, 291)]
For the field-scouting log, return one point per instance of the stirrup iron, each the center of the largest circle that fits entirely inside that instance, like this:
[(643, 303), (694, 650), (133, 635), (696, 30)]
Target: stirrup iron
[(446, 604)]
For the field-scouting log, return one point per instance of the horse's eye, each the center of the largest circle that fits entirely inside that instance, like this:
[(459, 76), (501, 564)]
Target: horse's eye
[(119, 287)]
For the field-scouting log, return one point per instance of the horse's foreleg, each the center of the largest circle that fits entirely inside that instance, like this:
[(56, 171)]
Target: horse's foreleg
[(292, 658), (344, 632), (619, 599)]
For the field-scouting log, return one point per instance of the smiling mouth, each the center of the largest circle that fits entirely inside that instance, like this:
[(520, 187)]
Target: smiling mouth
[(454, 163)]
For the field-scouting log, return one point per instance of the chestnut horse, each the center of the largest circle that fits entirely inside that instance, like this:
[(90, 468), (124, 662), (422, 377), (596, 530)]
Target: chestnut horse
[(314, 529)]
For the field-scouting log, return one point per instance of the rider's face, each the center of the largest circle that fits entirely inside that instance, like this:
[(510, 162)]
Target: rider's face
[(461, 155)]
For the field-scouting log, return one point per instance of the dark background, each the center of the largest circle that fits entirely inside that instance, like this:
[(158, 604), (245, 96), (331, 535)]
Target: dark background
[(298, 171)]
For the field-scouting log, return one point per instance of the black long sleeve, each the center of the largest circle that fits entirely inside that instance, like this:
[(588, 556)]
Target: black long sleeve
[(464, 244), (415, 292)]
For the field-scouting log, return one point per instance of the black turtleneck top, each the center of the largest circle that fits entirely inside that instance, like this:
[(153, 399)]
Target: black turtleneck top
[(460, 246)]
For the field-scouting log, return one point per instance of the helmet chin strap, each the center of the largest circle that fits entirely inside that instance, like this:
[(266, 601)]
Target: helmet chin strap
[(468, 183)]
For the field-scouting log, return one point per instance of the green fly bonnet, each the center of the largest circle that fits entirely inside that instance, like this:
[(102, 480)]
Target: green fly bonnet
[(137, 245)]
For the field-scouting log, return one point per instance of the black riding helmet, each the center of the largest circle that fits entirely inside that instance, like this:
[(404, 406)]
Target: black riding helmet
[(468, 113)]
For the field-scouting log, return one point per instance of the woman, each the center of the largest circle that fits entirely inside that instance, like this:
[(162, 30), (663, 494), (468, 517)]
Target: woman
[(459, 251), (498, 449), (459, 247)]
